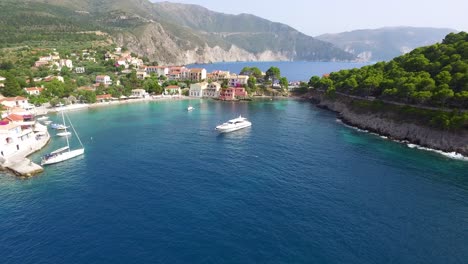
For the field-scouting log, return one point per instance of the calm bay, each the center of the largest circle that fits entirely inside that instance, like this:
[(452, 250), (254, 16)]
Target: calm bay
[(157, 184)]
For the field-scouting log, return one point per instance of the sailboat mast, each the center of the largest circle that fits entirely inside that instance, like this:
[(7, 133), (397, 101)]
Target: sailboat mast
[(66, 137), (74, 131)]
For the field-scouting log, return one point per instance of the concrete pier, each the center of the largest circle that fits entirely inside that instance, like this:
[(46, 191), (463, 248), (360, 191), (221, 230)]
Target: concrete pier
[(22, 166)]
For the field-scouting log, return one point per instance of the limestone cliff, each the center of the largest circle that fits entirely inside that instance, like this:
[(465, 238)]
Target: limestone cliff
[(156, 43), (445, 140)]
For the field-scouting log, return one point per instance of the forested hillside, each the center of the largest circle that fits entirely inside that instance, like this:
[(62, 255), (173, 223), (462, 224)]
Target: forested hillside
[(436, 75)]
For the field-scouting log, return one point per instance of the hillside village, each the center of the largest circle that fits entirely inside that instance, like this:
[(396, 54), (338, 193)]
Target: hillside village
[(39, 80)]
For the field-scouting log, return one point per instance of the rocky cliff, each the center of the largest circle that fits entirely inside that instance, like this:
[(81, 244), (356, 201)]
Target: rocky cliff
[(156, 43), (447, 141)]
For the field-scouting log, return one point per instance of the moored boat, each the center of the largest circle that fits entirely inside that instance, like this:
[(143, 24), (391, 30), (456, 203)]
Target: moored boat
[(64, 153), (234, 124)]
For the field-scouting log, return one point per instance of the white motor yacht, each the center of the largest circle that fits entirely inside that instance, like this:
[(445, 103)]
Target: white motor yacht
[(234, 124), (190, 108)]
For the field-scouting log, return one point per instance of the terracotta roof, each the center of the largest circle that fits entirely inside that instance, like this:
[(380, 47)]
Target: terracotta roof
[(196, 70), (15, 117), (172, 87), (30, 89), (14, 99), (103, 96)]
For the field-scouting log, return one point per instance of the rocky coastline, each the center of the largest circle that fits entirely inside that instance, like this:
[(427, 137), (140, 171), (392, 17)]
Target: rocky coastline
[(425, 136)]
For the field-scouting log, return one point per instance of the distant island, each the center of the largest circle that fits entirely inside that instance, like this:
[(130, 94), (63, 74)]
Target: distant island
[(421, 97)]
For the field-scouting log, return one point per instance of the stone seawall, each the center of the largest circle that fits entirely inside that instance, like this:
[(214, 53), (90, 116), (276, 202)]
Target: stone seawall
[(444, 140)]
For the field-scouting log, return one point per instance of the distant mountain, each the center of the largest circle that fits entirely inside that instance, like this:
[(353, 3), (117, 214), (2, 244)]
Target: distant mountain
[(385, 43), (165, 32)]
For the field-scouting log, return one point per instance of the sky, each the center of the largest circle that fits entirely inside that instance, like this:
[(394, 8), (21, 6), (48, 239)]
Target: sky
[(314, 17)]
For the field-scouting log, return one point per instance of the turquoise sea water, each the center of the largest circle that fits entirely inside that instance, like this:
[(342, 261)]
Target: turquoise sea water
[(293, 70), (157, 184)]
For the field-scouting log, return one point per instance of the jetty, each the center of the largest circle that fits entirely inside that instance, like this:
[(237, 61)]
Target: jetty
[(19, 164)]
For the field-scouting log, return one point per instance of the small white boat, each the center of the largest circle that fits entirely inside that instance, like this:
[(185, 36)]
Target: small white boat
[(234, 124), (190, 108), (64, 134), (58, 126), (42, 118), (47, 122)]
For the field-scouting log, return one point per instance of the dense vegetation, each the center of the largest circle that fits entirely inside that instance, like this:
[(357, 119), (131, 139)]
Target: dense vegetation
[(427, 86), (16, 67), (434, 76), (43, 25)]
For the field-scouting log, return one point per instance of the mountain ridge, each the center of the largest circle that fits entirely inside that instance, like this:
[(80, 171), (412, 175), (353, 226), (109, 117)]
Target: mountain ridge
[(181, 34), (385, 43)]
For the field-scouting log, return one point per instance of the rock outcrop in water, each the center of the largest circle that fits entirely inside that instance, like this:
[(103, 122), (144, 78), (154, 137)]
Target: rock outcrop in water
[(447, 141)]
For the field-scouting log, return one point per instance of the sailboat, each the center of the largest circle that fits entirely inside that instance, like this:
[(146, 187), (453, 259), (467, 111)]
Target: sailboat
[(64, 153)]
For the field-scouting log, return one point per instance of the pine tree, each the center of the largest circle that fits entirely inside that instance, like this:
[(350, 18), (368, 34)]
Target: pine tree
[(12, 87)]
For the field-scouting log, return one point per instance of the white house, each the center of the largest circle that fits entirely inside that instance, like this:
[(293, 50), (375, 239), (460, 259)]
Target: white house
[(66, 63), (238, 80), (139, 93), (17, 101), (104, 79), (80, 70), (34, 90), (2, 80), (212, 91), (141, 74), (173, 90), (196, 89), (122, 62), (14, 138)]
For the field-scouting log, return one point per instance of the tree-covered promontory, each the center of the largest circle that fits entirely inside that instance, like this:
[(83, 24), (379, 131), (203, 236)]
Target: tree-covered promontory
[(435, 76)]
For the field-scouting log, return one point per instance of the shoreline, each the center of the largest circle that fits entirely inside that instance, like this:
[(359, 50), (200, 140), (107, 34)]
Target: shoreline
[(447, 143), (77, 107), (451, 155)]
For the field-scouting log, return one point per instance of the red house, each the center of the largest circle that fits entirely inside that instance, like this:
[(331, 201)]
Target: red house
[(232, 93)]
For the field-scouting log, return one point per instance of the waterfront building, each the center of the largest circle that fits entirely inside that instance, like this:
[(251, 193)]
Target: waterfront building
[(104, 98), (212, 90), (17, 101), (14, 138), (139, 93), (238, 80), (173, 90), (232, 93), (196, 89)]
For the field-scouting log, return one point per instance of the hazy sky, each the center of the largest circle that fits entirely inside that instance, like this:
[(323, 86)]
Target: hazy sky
[(331, 16)]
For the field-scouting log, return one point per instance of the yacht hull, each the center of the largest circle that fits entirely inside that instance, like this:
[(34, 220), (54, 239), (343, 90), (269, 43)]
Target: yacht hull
[(63, 156), (227, 129)]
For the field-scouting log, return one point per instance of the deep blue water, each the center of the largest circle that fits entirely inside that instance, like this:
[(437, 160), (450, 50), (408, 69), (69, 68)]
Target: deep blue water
[(158, 185), (294, 71)]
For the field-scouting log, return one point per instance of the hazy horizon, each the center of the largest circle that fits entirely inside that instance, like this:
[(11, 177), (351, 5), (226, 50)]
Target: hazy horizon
[(335, 16)]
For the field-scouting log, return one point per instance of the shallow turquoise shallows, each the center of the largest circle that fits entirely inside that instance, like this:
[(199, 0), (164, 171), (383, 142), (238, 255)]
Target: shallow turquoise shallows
[(157, 184)]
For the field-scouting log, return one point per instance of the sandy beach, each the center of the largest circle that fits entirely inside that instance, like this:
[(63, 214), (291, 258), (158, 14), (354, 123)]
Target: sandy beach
[(76, 107)]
